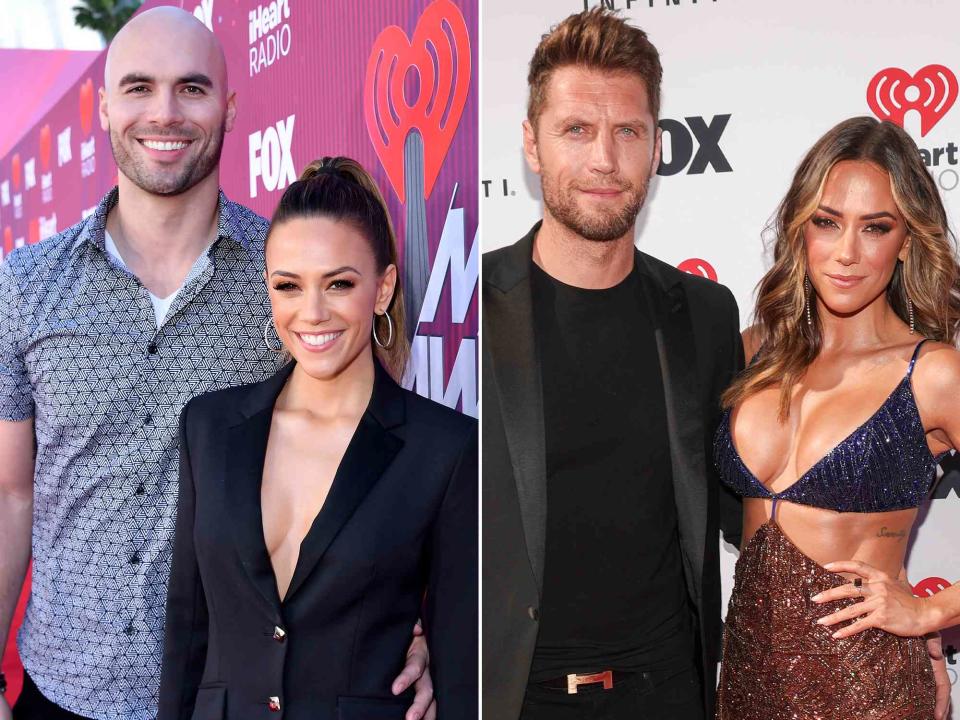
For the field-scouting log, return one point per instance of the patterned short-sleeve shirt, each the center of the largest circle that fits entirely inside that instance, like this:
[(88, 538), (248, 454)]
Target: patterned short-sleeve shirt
[(81, 354)]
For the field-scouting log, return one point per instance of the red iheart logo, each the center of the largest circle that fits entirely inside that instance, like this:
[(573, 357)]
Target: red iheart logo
[(440, 55), (15, 170), (33, 232), (86, 106), (930, 586), (7, 240), (932, 92), (696, 266), (45, 147)]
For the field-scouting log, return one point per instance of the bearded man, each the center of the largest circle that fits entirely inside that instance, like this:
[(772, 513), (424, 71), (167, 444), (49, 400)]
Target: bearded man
[(602, 372)]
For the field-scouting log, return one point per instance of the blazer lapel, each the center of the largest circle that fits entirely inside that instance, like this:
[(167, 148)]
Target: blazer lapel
[(677, 352), (370, 451), (246, 451), (508, 319)]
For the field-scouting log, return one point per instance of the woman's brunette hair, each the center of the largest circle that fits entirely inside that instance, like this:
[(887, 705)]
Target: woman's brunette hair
[(340, 189), (930, 276)]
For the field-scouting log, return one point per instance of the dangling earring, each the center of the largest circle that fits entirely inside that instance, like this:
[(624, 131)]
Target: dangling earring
[(266, 337), (807, 291), (903, 268), (389, 342)]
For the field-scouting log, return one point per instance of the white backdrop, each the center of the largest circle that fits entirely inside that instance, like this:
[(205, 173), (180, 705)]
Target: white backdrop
[(784, 71)]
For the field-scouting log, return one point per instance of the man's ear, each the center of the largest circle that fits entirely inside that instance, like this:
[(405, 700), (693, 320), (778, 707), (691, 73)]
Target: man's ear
[(657, 147), (231, 114), (102, 110), (530, 147)]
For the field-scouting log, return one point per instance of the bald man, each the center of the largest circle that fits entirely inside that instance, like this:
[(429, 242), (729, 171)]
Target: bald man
[(106, 331)]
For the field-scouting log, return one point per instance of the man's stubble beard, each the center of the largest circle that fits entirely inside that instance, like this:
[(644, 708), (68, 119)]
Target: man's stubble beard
[(598, 226), (192, 173)]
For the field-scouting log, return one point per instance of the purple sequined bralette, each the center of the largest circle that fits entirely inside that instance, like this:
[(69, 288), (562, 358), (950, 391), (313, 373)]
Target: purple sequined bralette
[(883, 465)]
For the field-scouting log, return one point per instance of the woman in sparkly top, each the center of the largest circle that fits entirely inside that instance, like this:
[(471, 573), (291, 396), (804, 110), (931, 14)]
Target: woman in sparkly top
[(832, 436)]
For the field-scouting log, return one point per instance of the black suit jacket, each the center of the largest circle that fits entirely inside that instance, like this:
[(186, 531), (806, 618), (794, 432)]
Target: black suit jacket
[(696, 325), (400, 520)]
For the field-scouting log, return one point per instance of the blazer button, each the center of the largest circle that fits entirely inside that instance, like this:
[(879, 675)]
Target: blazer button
[(273, 702), (279, 634), (533, 613)]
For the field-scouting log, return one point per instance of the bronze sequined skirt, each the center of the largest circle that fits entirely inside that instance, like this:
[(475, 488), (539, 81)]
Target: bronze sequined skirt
[(778, 663)]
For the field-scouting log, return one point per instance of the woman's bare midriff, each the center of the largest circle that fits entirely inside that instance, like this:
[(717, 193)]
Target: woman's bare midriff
[(878, 539)]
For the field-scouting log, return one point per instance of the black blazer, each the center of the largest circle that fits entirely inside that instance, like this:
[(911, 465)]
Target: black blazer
[(400, 521), (698, 341)]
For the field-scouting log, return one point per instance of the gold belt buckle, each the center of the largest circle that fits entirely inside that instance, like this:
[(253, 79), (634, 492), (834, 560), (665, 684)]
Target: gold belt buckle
[(574, 680)]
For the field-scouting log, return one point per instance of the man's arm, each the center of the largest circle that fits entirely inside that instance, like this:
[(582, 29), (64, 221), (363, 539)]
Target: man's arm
[(16, 516), (731, 507)]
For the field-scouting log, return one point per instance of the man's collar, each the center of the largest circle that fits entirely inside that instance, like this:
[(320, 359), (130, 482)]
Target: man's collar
[(229, 223), (95, 226), (518, 257)]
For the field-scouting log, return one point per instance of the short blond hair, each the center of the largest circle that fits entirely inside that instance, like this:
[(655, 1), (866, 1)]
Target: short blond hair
[(597, 39)]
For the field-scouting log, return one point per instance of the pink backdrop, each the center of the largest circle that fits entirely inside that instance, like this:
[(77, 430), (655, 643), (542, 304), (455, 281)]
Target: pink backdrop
[(314, 78)]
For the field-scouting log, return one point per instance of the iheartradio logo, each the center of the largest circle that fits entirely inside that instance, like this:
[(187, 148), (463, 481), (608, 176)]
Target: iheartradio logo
[(86, 106), (930, 586), (697, 266), (15, 171), (45, 143), (439, 56), (931, 91)]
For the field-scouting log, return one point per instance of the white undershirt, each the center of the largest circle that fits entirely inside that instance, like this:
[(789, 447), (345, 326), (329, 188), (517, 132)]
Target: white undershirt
[(160, 305)]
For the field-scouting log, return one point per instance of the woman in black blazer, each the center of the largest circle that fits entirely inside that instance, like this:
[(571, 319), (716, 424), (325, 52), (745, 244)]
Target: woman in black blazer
[(325, 510)]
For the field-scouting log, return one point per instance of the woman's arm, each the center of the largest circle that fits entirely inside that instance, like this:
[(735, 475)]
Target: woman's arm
[(185, 632), (889, 604), (451, 618)]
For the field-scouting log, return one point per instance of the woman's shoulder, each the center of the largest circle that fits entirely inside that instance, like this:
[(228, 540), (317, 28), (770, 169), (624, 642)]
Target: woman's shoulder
[(436, 418), (221, 402), (937, 369)]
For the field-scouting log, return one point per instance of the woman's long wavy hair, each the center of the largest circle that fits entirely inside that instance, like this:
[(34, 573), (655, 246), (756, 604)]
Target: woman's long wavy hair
[(340, 189), (930, 276)]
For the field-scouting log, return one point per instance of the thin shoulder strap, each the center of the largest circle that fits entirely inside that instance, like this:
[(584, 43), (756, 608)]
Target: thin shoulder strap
[(756, 356), (916, 354)]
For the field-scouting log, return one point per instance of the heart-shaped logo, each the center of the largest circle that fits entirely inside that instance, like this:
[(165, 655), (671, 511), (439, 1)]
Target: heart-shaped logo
[(45, 147), (930, 586), (86, 106), (15, 170), (33, 231), (7, 240), (440, 56), (696, 266), (931, 92)]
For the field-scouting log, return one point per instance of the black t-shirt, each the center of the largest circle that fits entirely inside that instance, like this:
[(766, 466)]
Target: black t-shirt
[(613, 589)]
